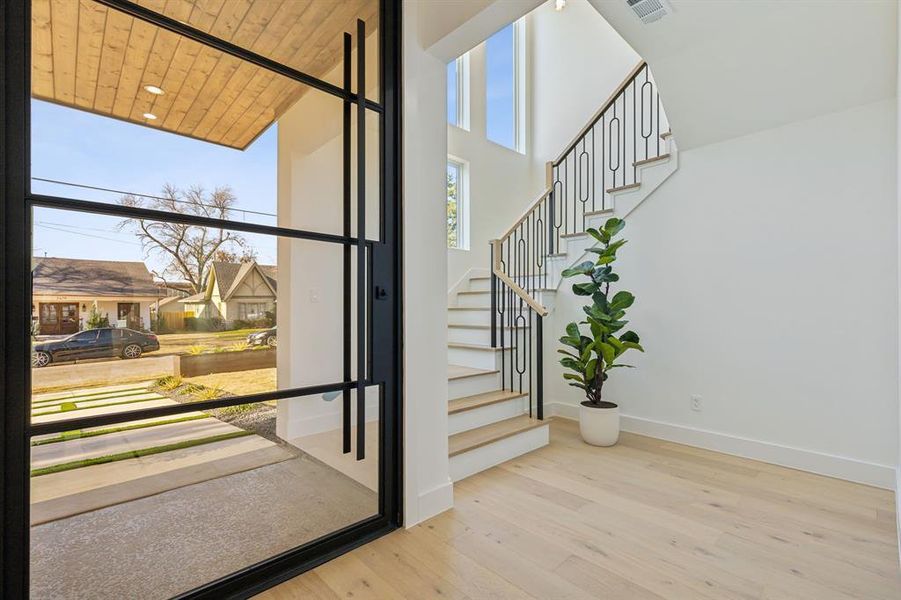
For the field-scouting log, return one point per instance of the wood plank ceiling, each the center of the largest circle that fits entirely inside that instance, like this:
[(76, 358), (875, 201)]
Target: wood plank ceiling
[(87, 56)]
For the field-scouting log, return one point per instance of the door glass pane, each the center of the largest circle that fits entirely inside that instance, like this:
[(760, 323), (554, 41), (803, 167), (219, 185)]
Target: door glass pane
[(156, 507), (226, 336)]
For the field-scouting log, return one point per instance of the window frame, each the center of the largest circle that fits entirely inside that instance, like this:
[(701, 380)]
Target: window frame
[(462, 168), (461, 71), (519, 88)]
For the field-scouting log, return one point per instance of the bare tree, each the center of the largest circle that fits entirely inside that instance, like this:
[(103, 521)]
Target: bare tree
[(189, 250)]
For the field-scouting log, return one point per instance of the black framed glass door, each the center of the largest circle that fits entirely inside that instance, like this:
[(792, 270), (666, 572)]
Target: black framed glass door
[(187, 161)]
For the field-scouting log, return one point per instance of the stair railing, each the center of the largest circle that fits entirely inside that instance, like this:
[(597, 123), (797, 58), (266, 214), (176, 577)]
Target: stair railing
[(603, 159)]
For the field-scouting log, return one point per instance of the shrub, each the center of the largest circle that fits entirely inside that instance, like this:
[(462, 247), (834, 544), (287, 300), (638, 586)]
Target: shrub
[(199, 324), (196, 349), (239, 346), (95, 320), (206, 393), (169, 383), (238, 409)]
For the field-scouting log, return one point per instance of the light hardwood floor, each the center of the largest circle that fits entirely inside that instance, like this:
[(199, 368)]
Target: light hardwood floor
[(644, 519)]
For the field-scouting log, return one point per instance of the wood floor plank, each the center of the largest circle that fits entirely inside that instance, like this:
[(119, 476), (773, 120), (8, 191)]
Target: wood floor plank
[(643, 520)]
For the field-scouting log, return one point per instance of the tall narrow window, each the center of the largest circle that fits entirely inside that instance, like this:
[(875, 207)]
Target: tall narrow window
[(503, 87), (457, 234), (458, 92)]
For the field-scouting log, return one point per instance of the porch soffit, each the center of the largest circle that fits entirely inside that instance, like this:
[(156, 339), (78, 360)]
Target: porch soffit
[(90, 57)]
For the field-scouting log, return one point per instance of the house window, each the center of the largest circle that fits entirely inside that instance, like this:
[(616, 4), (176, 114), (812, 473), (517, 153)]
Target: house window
[(251, 311), (457, 205), (504, 86), (458, 92)]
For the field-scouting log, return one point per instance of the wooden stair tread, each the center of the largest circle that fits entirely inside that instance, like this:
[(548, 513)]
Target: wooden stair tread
[(666, 134), (461, 372), (465, 326), (473, 347), (481, 307), (647, 161), (487, 434), (480, 400), (623, 188), (596, 213), (575, 234)]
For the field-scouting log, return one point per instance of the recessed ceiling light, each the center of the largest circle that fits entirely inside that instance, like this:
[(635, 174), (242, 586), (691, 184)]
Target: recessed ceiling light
[(559, 5), (154, 90), (149, 116)]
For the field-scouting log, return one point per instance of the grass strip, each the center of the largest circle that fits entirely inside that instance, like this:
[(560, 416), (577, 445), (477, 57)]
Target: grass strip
[(80, 434), (68, 407), (90, 397), (100, 460), (136, 390)]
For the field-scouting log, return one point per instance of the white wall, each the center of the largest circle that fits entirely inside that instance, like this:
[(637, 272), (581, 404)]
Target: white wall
[(898, 185), (577, 60), (766, 272), (427, 485)]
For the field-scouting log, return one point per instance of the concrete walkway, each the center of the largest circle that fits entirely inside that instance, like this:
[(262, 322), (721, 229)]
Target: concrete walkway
[(90, 487)]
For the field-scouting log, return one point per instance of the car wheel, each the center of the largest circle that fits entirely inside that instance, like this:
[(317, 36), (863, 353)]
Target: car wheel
[(272, 342), (40, 359), (131, 351)]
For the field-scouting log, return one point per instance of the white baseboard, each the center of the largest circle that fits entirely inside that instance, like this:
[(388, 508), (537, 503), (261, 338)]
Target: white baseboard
[(841, 467), (430, 503), (898, 508)]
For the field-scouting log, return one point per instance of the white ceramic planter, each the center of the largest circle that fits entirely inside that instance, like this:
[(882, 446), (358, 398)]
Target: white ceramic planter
[(599, 426)]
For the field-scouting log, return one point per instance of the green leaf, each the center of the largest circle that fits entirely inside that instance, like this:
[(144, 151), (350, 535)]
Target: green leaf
[(573, 377), (580, 269), (590, 369), (622, 300), (613, 226), (579, 385), (620, 366), (607, 351), (629, 336), (572, 330), (601, 236), (584, 289), (566, 352), (634, 346), (571, 363)]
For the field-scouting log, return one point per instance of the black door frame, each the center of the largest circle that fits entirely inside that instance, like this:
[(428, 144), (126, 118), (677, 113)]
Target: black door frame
[(384, 285)]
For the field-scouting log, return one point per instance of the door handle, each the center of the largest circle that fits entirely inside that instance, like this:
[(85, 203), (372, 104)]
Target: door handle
[(380, 293)]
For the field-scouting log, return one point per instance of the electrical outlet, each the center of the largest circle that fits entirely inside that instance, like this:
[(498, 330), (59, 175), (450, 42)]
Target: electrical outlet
[(696, 403)]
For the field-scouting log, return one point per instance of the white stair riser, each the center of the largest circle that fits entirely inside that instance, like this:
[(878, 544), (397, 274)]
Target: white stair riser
[(480, 285), (485, 415), (474, 300), (485, 457), (470, 386), (465, 335), (469, 317), (477, 359)]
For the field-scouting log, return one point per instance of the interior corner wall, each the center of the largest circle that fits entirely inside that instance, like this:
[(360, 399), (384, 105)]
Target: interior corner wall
[(898, 190), (577, 60), (766, 276), (574, 60), (501, 183)]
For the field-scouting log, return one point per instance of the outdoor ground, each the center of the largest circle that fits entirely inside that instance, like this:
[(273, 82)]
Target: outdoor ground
[(178, 492)]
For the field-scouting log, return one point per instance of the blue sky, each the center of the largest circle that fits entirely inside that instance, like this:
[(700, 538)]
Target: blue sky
[(80, 147), (500, 81)]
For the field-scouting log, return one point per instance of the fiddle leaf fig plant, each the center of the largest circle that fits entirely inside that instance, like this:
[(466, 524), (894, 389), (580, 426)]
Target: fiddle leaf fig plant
[(594, 346)]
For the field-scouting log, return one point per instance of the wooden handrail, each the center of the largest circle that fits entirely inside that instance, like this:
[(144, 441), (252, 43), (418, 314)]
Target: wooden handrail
[(597, 115), (526, 214), (524, 295)]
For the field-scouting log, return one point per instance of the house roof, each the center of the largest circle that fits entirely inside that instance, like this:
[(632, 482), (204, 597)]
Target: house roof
[(230, 275), (102, 278)]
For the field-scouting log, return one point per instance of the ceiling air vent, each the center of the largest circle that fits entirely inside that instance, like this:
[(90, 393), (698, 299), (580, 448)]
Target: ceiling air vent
[(650, 10)]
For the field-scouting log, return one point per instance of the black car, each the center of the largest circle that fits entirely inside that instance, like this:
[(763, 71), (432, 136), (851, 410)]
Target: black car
[(263, 338), (105, 342)]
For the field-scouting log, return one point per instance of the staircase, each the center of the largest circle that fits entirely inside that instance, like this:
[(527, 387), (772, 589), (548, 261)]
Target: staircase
[(495, 316)]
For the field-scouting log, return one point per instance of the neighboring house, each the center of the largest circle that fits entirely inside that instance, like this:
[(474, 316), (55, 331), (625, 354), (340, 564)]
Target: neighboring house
[(66, 289), (235, 291)]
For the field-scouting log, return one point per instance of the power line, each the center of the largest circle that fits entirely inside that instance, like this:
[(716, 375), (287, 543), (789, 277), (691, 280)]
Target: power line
[(90, 235), (114, 191)]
